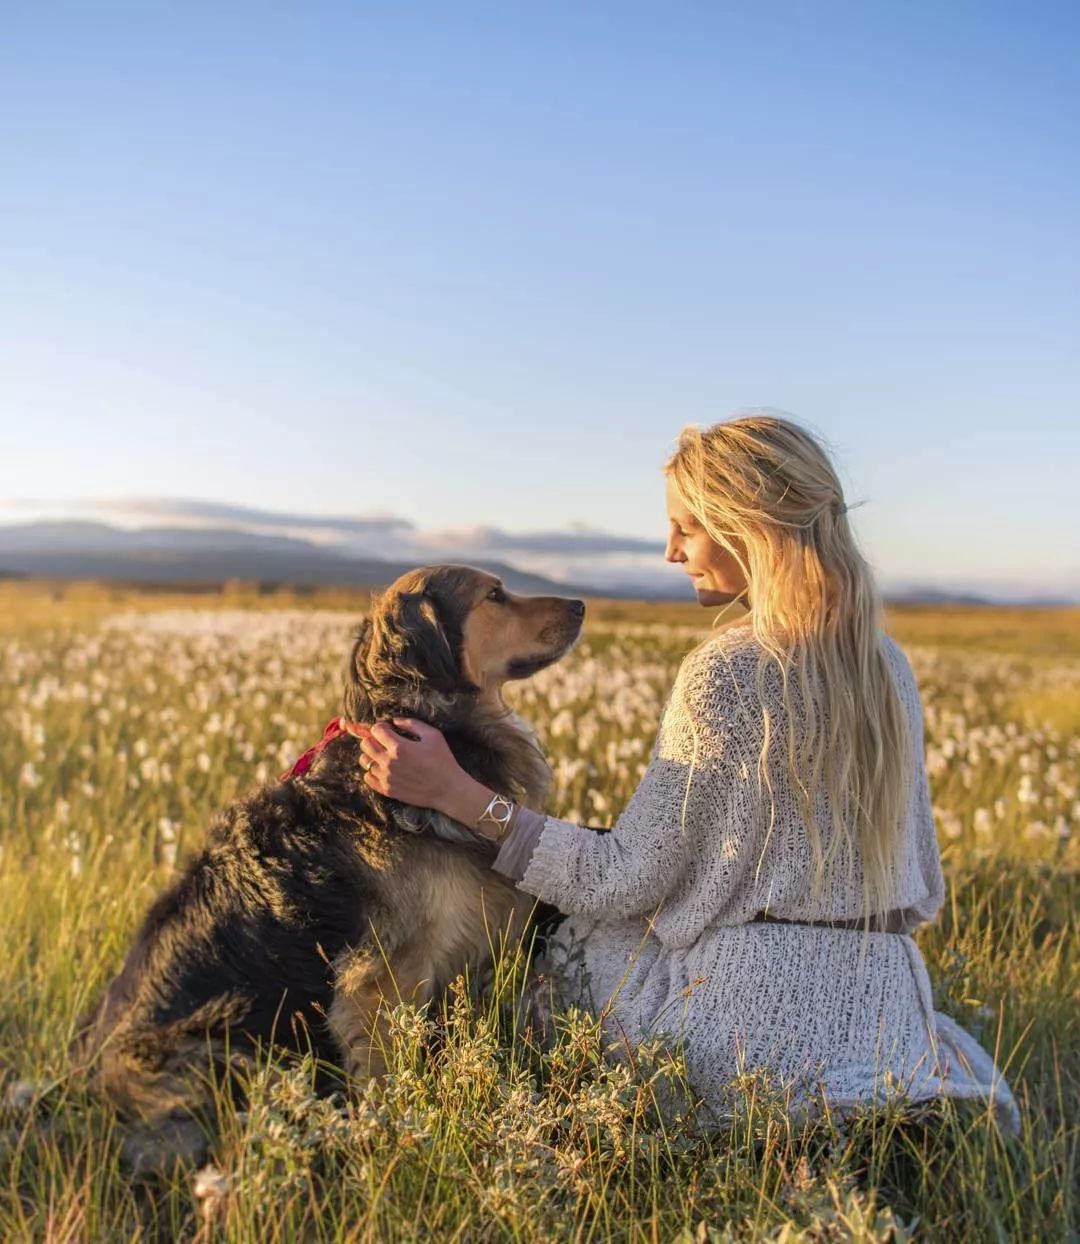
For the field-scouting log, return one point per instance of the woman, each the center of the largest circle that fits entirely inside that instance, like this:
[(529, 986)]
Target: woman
[(757, 896)]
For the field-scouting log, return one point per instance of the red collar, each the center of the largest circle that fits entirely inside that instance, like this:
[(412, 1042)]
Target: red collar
[(334, 728)]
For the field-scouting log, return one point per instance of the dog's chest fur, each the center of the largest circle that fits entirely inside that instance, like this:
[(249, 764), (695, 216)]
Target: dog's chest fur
[(440, 911)]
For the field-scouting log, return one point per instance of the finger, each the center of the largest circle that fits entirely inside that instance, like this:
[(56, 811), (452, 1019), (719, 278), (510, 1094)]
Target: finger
[(372, 747), (376, 781), (358, 728), (411, 728), (387, 736)]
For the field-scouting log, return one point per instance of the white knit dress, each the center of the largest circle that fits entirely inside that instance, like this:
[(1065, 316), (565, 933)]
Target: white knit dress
[(659, 910)]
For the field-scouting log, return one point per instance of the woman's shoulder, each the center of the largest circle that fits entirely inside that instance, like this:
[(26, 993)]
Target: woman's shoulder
[(721, 670), (731, 660), (735, 648)]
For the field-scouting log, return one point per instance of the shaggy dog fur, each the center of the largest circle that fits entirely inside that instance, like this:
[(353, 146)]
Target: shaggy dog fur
[(316, 900)]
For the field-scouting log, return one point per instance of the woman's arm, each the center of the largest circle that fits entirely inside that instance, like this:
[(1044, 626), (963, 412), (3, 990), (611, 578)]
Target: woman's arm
[(631, 870), (624, 873), (688, 805)]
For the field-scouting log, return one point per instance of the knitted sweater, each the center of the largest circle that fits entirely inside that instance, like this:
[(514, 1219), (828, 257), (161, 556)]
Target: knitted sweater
[(657, 938)]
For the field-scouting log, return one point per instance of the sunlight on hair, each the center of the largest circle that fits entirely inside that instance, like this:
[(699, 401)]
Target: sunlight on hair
[(764, 489)]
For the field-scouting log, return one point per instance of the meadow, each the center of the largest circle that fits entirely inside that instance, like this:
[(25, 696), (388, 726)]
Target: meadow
[(128, 718)]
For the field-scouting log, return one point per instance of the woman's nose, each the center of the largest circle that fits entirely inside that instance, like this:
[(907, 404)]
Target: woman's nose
[(673, 553)]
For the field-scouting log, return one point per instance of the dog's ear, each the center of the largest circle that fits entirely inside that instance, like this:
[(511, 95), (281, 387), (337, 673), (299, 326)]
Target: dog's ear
[(401, 647), (359, 681), (412, 644)]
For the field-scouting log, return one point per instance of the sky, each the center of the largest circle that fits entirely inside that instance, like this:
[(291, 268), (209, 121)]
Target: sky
[(475, 265)]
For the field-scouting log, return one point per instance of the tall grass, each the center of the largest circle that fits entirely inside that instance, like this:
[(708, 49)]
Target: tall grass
[(125, 726)]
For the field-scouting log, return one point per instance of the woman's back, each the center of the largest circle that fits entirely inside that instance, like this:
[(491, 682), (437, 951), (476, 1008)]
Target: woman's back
[(746, 846), (665, 940)]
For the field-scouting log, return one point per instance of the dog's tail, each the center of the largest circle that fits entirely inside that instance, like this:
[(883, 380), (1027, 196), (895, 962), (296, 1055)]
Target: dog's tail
[(161, 1079)]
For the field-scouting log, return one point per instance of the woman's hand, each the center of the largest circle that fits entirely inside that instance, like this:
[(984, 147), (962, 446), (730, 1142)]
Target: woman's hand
[(419, 770)]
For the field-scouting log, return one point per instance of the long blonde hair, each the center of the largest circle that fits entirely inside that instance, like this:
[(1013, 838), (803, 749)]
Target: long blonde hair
[(765, 490)]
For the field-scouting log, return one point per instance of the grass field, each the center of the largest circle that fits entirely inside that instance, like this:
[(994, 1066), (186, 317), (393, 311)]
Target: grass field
[(127, 718)]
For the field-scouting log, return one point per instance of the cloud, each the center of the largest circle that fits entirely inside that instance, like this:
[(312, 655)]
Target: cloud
[(216, 512), (574, 542)]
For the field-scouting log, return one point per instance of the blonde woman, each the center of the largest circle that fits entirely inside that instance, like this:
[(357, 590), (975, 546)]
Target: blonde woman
[(757, 896)]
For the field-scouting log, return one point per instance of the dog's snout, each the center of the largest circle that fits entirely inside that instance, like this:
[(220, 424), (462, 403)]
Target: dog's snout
[(576, 608)]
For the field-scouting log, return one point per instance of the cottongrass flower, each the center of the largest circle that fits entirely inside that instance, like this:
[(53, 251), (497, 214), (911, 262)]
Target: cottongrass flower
[(165, 716), (169, 847), (74, 845), (210, 1188)]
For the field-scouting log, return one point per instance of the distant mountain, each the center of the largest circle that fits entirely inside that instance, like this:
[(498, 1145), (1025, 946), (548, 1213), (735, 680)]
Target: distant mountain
[(86, 550), (76, 549), (939, 596), (934, 596)]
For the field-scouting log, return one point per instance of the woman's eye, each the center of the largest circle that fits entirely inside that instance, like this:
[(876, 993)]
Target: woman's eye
[(497, 595)]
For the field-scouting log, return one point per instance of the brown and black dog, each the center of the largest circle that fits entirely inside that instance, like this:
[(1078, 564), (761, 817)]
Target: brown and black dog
[(316, 900)]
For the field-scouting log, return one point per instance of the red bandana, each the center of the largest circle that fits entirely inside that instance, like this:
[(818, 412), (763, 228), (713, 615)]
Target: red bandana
[(334, 728)]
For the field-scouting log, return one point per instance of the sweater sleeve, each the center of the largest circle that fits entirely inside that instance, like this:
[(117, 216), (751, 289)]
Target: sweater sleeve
[(518, 845), (631, 870)]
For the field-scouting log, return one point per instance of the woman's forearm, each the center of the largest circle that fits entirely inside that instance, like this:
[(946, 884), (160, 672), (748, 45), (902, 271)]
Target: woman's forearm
[(410, 761), (465, 802), (464, 799)]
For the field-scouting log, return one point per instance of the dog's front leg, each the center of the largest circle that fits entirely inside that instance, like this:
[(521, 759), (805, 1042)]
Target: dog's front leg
[(369, 984)]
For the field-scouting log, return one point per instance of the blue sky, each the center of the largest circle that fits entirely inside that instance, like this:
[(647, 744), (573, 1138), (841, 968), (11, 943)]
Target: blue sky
[(476, 264)]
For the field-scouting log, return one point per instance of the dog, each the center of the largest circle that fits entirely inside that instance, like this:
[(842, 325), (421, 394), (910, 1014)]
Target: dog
[(316, 901)]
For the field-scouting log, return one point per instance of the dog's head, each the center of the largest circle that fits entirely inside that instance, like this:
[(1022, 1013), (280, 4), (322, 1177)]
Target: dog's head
[(443, 637)]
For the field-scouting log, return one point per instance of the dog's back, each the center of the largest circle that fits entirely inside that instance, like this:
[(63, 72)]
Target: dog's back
[(236, 953)]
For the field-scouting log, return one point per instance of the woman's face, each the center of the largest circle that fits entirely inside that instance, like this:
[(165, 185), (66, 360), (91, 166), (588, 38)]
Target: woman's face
[(714, 572)]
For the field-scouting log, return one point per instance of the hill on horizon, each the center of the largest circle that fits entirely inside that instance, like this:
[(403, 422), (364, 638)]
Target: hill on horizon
[(84, 549)]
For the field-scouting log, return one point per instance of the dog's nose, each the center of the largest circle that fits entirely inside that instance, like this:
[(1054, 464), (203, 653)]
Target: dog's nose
[(577, 608)]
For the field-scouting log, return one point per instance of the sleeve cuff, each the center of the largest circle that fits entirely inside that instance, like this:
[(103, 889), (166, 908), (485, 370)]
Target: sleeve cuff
[(517, 847)]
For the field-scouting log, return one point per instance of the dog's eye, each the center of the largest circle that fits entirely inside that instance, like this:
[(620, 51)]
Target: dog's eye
[(497, 595)]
